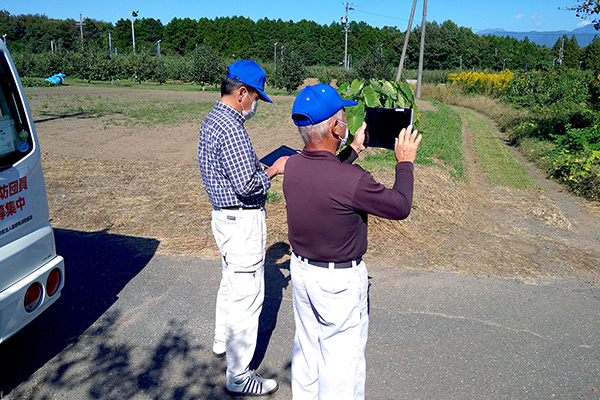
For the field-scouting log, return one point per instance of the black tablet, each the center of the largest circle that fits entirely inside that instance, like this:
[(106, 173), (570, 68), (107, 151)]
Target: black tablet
[(270, 158), (384, 125)]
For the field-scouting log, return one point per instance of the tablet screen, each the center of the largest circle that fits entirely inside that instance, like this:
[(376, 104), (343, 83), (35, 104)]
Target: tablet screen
[(384, 125), (270, 158)]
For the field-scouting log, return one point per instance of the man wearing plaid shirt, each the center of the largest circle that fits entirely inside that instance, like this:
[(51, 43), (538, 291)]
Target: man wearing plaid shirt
[(237, 186)]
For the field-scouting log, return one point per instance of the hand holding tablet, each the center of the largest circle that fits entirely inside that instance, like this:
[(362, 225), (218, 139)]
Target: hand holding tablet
[(384, 125), (273, 156)]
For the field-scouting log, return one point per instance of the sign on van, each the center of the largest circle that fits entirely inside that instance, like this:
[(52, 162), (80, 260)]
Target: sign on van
[(14, 209)]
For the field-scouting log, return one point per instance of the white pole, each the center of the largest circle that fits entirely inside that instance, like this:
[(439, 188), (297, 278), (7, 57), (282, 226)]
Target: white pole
[(422, 50), (401, 65), (133, 14)]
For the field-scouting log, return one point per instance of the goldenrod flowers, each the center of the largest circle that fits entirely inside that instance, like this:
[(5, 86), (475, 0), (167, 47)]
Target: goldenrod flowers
[(484, 83)]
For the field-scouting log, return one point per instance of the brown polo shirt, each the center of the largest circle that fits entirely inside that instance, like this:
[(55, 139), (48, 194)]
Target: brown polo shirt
[(328, 202)]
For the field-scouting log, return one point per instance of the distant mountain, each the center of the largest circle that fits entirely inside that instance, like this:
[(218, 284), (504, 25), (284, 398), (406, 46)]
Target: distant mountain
[(584, 35)]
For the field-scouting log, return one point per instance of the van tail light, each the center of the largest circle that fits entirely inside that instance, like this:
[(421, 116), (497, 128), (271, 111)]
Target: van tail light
[(53, 282), (33, 296)]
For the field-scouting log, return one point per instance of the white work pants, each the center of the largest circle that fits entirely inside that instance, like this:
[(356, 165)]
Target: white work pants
[(332, 323), (241, 238)]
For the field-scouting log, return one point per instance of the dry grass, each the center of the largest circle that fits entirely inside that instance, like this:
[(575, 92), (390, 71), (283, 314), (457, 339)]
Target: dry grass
[(487, 106), (471, 227)]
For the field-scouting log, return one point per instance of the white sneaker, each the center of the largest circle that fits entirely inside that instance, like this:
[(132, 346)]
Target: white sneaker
[(218, 349), (252, 385)]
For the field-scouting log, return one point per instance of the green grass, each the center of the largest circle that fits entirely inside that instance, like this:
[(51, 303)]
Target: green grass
[(442, 131), (500, 165), (119, 110), (173, 86)]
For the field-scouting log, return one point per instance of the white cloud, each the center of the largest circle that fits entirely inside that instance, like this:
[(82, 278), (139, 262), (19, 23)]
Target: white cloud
[(538, 17), (584, 23), (519, 16)]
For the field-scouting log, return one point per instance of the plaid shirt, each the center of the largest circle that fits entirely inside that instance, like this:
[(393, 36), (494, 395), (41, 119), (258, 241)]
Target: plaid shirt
[(231, 172)]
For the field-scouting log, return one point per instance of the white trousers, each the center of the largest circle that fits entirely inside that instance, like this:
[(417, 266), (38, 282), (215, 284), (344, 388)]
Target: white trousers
[(241, 238), (332, 323)]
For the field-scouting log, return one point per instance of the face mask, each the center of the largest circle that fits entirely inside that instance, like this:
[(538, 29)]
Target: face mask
[(345, 138), (247, 114)]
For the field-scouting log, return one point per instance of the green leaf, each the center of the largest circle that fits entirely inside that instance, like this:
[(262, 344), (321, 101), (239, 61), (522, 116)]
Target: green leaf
[(371, 98), (344, 86), (407, 93), (357, 86), (355, 116), (388, 90)]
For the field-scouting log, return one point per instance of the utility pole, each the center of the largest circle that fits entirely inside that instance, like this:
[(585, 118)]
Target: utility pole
[(275, 57), (401, 65), (109, 45), (133, 14), (422, 50), (346, 25), (158, 48), (80, 24)]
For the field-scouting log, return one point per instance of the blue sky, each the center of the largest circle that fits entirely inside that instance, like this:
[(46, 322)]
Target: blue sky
[(511, 15)]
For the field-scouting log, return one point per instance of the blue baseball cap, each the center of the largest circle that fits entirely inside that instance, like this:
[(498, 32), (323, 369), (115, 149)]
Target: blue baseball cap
[(317, 103), (250, 73)]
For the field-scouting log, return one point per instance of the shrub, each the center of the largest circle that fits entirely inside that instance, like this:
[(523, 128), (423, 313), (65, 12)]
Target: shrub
[(561, 85)]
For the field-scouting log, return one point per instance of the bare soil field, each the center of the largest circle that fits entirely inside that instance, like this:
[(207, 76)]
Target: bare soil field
[(141, 180)]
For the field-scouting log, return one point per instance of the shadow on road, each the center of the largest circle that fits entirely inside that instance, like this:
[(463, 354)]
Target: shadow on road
[(275, 283), (77, 346), (98, 266)]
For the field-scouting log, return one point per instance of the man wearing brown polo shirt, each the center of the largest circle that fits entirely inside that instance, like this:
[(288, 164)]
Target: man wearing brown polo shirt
[(328, 201)]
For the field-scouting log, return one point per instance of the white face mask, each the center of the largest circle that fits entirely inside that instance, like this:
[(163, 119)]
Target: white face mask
[(345, 138), (247, 114)]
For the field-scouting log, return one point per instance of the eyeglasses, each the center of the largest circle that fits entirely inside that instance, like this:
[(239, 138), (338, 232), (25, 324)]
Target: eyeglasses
[(342, 122)]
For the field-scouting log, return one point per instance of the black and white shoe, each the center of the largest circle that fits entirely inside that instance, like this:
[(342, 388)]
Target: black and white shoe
[(252, 385), (218, 349)]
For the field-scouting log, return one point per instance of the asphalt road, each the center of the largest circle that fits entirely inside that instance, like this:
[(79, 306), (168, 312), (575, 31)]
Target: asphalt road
[(134, 325)]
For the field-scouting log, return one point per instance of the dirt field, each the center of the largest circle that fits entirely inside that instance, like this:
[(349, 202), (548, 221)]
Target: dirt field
[(142, 180)]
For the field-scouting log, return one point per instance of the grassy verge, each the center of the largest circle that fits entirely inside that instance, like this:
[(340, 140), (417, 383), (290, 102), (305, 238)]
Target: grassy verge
[(500, 165)]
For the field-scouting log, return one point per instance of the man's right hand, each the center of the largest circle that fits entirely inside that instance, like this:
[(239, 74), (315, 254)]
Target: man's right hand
[(406, 145), (358, 143), (278, 167)]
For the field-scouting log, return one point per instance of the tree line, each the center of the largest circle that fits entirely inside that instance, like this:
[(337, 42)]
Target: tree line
[(447, 45)]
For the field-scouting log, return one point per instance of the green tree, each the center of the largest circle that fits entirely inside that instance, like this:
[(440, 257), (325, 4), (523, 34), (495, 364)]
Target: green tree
[(147, 32), (572, 54), (290, 73), (180, 36), (591, 55), (208, 66)]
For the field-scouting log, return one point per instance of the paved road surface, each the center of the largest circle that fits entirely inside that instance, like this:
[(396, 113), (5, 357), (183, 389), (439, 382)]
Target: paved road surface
[(132, 325)]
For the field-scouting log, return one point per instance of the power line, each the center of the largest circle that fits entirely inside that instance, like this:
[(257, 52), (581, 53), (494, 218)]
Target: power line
[(380, 15)]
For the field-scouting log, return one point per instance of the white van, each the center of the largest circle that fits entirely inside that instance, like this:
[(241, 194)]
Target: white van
[(32, 275)]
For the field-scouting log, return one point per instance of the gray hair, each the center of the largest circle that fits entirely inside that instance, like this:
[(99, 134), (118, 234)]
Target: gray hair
[(315, 133)]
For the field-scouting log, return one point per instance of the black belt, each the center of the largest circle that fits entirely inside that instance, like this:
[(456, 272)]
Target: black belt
[(325, 264), (237, 208)]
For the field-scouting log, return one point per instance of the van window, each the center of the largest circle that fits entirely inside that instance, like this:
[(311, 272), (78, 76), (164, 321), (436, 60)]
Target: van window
[(15, 138)]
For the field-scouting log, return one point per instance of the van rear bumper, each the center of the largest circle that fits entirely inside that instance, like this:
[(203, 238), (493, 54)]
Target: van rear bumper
[(13, 315)]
